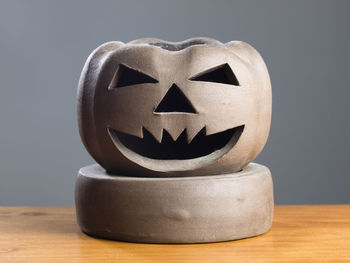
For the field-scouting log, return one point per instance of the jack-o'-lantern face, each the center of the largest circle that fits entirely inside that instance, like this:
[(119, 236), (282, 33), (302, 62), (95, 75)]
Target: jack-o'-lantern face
[(198, 106)]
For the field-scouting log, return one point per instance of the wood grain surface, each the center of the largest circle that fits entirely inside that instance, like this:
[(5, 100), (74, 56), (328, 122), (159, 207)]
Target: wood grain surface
[(298, 234)]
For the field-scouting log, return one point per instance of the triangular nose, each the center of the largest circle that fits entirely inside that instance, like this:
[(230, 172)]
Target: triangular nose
[(175, 101)]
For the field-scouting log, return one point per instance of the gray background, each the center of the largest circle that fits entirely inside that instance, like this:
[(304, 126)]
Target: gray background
[(44, 44)]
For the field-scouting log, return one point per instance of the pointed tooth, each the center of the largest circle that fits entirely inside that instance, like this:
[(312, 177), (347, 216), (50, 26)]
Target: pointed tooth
[(140, 134), (175, 132), (156, 133), (192, 132)]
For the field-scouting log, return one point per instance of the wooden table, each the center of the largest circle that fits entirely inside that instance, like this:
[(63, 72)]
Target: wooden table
[(298, 234)]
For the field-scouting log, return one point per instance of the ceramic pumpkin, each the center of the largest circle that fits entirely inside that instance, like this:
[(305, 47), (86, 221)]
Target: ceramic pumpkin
[(196, 107)]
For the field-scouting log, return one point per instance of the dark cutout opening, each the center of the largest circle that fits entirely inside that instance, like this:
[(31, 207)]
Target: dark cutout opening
[(221, 74), (180, 149), (178, 46), (127, 76), (175, 101)]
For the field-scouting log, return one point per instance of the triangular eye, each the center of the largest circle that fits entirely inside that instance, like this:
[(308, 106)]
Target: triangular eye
[(126, 76), (220, 74)]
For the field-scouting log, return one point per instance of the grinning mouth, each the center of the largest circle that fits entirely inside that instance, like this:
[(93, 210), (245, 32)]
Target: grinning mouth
[(179, 149), (175, 155)]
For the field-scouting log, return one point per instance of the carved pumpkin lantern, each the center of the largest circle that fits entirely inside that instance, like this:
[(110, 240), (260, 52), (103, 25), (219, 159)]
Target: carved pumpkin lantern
[(173, 127), (150, 107)]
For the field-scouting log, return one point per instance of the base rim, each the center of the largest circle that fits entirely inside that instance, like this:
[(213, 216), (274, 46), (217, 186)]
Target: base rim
[(174, 210)]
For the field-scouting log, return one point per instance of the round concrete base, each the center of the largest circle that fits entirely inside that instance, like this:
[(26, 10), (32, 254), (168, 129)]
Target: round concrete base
[(175, 210)]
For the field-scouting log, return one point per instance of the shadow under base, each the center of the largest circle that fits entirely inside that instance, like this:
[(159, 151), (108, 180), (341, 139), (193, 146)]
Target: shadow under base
[(197, 209)]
